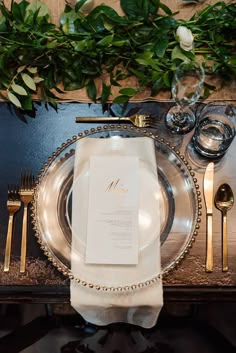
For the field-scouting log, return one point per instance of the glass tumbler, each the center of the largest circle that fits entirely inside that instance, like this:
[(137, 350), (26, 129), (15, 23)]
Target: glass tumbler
[(215, 130)]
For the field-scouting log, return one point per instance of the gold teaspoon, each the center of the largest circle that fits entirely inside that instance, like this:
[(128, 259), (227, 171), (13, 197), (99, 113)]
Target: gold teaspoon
[(224, 200)]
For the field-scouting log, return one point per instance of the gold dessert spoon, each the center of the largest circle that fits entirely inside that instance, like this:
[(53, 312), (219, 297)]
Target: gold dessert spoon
[(224, 200)]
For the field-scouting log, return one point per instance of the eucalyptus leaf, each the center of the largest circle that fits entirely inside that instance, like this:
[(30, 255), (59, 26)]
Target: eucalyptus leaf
[(32, 70), (28, 81), (14, 99), (21, 68), (18, 89)]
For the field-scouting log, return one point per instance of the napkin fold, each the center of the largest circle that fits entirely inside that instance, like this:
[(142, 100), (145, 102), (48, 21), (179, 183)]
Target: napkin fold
[(140, 306)]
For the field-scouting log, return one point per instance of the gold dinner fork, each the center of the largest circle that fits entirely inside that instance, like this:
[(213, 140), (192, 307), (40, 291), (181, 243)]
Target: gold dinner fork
[(13, 205), (26, 196), (138, 120)]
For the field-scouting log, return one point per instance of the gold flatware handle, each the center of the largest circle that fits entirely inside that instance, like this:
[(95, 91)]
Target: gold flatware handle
[(225, 244), (24, 240), (8, 245), (209, 255), (94, 119)]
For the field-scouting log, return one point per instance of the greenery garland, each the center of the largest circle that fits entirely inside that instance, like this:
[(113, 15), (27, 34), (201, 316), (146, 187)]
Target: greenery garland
[(38, 56)]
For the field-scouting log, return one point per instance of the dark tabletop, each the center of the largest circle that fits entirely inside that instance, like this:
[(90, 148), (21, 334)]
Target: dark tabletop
[(27, 142)]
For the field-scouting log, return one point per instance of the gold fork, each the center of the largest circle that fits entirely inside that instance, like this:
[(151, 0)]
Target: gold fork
[(13, 205), (138, 120), (26, 196)]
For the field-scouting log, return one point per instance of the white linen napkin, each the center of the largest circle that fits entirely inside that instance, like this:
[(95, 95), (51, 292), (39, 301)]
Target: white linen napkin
[(140, 306)]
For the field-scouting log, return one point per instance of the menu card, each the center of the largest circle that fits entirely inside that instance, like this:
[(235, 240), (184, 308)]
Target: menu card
[(112, 228)]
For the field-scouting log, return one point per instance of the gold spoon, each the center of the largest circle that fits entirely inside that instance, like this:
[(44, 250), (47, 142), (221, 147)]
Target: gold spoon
[(224, 200)]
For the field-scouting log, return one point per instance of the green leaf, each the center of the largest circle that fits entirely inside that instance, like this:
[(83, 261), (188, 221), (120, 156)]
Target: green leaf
[(71, 86), (137, 73), (52, 44), (141, 8), (161, 47), (149, 62), (158, 85), (14, 99), (91, 90), (121, 99), (106, 40), (3, 26), (131, 7), (166, 79), (21, 68), (18, 89), (67, 21), (27, 103), (18, 10), (109, 14), (28, 81), (166, 9), (154, 6), (177, 53), (128, 91), (79, 4), (37, 7), (106, 91), (114, 82), (120, 43)]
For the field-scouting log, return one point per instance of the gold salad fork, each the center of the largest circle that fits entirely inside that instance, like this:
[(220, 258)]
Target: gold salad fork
[(138, 120), (13, 205), (26, 196)]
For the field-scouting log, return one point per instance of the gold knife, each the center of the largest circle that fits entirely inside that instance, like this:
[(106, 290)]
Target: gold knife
[(208, 187)]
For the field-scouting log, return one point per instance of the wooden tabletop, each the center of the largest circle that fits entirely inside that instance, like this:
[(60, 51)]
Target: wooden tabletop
[(28, 144)]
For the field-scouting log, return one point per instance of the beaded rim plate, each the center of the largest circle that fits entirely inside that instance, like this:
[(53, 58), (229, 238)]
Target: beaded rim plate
[(180, 199)]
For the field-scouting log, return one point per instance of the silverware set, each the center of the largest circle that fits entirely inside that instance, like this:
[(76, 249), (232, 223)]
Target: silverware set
[(224, 200), (16, 197)]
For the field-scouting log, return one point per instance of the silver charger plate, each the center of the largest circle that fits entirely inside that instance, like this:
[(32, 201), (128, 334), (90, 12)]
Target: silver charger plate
[(179, 205)]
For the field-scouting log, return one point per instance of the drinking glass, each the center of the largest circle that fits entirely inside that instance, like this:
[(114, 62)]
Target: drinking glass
[(186, 89), (215, 130)]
